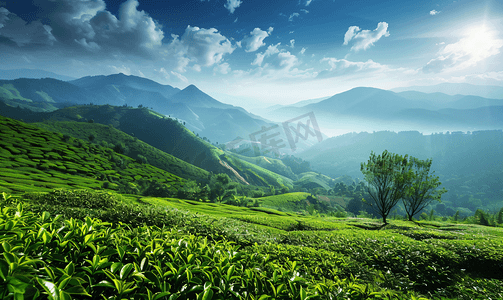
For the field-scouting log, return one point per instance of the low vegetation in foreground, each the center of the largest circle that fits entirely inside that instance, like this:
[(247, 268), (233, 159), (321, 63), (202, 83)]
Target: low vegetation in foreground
[(89, 245)]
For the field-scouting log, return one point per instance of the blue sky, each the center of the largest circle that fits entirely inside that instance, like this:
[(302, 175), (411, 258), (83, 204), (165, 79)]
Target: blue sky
[(259, 52)]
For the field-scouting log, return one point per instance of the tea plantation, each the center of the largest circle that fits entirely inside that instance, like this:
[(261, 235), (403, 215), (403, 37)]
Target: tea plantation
[(83, 244), (66, 233)]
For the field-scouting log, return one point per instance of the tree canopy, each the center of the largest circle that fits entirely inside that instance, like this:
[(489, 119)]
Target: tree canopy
[(391, 177), (386, 177), (422, 187)]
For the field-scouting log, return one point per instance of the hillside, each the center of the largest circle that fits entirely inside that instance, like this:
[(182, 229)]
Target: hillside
[(12, 74), (202, 114), (42, 94), (110, 137), (167, 135), (469, 164), (34, 159)]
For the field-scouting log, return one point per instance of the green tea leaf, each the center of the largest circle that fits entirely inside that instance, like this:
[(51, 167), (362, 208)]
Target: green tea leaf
[(126, 269)]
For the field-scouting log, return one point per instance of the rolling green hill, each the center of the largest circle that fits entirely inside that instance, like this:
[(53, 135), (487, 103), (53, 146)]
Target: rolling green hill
[(110, 137), (34, 159), (165, 134)]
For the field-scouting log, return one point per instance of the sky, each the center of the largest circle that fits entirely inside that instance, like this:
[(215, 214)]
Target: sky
[(259, 52)]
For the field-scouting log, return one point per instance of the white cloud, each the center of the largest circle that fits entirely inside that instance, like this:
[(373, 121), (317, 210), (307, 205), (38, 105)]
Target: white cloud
[(339, 67), (292, 43), (292, 16), (477, 45), (223, 68), (21, 33), (231, 5), (363, 39), (205, 47), (85, 25), (91, 46), (196, 68), (256, 39), (304, 11), (272, 49), (163, 73), (180, 77), (352, 30), (308, 2), (287, 60), (302, 51), (434, 12), (120, 69)]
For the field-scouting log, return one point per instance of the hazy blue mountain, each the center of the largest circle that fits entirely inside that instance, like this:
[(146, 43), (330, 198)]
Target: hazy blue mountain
[(194, 97), (441, 100), (31, 74), (308, 101), (487, 91), (200, 113), (34, 92), (371, 109), (124, 81)]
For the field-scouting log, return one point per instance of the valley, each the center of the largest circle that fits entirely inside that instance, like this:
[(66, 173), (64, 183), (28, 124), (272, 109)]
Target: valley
[(122, 187)]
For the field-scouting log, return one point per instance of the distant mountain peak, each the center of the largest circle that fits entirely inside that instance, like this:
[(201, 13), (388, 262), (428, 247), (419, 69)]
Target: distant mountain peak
[(192, 88)]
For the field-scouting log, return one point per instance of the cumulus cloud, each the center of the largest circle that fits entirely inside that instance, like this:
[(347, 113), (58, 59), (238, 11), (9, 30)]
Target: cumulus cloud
[(287, 60), (363, 39), (21, 33), (231, 5), (308, 2), (293, 16), (256, 39), (302, 51), (434, 12), (272, 49), (477, 45), (304, 11), (205, 47), (292, 43), (223, 68), (85, 25)]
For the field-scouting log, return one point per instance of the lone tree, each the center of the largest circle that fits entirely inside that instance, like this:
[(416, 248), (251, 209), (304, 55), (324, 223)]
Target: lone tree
[(386, 177), (422, 187)]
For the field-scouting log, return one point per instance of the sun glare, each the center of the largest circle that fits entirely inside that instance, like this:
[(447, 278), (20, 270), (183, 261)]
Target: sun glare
[(478, 41)]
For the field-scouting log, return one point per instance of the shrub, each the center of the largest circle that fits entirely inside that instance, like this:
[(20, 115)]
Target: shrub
[(75, 198)]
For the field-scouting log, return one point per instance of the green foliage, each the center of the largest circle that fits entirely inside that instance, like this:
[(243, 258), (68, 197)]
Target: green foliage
[(286, 202), (33, 159), (421, 189), (387, 176), (75, 198), (222, 188), (321, 258)]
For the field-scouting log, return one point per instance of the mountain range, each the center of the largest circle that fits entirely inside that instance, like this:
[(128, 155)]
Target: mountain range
[(11, 74), (358, 109), (199, 112), (486, 91), (371, 109)]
